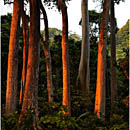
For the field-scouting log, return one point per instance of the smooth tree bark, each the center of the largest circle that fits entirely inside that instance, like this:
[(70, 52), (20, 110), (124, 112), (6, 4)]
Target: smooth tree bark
[(25, 21), (31, 87), (46, 50), (12, 74), (65, 57), (113, 56), (83, 74), (100, 96)]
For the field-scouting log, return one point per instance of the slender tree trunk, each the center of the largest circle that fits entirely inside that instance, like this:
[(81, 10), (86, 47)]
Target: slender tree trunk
[(113, 57), (25, 21), (47, 53), (31, 87), (83, 74), (12, 74), (101, 65), (65, 56)]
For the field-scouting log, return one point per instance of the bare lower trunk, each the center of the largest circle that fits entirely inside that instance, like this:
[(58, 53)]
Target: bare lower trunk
[(49, 76), (47, 53), (48, 69), (83, 74), (12, 74), (25, 21), (113, 58), (31, 87), (101, 65), (65, 57)]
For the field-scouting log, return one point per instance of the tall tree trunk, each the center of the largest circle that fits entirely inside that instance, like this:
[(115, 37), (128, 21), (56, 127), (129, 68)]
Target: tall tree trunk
[(101, 65), (31, 87), (12, 74), (113, 57), (47, 53), (83, 74), (65, 56), (25, 21)]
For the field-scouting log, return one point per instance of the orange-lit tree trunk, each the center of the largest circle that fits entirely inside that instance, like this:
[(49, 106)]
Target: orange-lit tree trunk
[(12, 74), (113, 57), (65, 56), (101, 65), (83, 74), (46, 49), (25, 21), (31, 87)]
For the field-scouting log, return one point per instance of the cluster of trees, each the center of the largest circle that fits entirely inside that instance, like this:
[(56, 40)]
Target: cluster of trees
[(30, 74)]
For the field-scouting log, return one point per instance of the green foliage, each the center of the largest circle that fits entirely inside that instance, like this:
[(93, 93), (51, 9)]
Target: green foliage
[(51, 115), (55, 118), (118, 123), (94, 17), (52, 33), (27, 120), (122, 38), (9, 122), (123, 65), (88, 121), (12, 121), (5, 33), (75, 37)]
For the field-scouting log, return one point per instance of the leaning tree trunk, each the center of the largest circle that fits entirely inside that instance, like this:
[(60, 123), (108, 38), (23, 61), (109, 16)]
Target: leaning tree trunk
[(25, 21), (31, 87), (12, 74), (65, 56), (101, 65), (113, 57), (83, 74), (46, 49)]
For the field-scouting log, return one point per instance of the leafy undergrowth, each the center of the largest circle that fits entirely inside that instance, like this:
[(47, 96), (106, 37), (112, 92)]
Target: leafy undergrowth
[(51, 117)]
